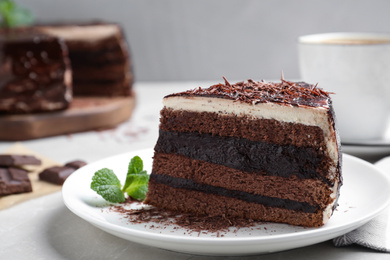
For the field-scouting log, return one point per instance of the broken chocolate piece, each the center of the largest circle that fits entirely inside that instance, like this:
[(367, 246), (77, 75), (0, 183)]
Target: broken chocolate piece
[(75, 164), (56, 174), (18, 160), (14, 180)]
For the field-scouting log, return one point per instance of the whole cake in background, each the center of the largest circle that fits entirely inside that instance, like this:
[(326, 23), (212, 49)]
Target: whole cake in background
[(257, 150), (35, 72), (99, 56), (42, 67)]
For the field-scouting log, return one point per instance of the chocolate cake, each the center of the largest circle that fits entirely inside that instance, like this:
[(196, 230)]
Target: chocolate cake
[(99, 57), (35, 73), (42, 67), (256, 150)]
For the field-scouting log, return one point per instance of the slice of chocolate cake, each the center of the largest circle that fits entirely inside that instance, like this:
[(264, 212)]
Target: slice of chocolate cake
[(35, 74), (99, 57), (256, 150)]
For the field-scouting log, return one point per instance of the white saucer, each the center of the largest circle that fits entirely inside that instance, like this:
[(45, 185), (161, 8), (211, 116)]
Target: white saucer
[(370, 147), (366, 147), (365, 193)]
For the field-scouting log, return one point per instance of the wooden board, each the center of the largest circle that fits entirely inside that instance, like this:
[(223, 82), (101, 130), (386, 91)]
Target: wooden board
[(84, 114)]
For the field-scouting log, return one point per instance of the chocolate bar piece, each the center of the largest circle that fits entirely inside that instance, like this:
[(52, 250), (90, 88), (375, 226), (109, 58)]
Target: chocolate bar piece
[(18, 160), (75, 164), (14, 180), (56, 174)]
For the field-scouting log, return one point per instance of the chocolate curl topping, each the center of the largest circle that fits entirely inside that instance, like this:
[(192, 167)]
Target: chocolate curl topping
[(253, 92), (226, 82)]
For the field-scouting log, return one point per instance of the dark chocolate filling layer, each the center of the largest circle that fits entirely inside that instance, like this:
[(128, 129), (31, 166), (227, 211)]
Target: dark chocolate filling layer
[(180, 183), (243, 154)]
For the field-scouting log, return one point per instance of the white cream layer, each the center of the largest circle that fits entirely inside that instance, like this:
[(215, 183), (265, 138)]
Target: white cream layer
[(85, 32), (285, 113)]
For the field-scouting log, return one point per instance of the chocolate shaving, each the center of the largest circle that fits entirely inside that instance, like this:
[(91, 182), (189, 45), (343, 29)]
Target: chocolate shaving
[(192, 223), (252, 92), (226, 82)]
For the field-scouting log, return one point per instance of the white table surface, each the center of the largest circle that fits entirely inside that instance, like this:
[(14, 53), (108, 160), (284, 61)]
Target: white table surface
[(44, 228)]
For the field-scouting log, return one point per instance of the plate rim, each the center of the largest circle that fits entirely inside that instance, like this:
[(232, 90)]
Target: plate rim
[(180, 239)]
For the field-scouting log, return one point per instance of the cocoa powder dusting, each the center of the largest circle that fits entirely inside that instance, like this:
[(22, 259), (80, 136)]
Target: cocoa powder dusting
[(192, 223)]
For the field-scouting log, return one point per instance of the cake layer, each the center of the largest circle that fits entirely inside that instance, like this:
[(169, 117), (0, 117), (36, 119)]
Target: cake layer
[(188, 184), (255, 129), (103, 87), (199, 203), (292, 188), (246, 155), (89, 37), (109, 72), (99, 57)]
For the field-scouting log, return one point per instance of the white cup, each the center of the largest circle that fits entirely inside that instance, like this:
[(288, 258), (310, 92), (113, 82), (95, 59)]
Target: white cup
[(356, 67)]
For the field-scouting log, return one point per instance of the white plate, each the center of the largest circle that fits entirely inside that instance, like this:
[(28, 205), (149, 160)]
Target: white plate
[(365, 193)]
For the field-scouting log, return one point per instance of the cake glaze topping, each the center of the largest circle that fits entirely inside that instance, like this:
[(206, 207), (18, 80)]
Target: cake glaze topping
[(254, 92)]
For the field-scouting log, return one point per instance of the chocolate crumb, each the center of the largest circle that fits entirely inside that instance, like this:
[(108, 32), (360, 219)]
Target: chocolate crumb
[(192, 223)]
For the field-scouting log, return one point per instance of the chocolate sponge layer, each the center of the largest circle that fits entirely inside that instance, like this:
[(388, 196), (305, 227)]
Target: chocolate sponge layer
[(265, 130), (189, 184), (199, 203), (309, 191)]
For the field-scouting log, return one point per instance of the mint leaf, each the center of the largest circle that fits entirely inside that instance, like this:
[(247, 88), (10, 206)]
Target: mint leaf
[(138, 185), (13, 15), (107, 185), (136, 166)]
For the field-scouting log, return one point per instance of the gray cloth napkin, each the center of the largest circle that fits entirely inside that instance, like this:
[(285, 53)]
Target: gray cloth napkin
[(376, 233)]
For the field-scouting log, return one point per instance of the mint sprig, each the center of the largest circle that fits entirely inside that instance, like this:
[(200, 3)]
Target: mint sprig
[(136, 166), (107, 184), (14, 15), (138, 186)]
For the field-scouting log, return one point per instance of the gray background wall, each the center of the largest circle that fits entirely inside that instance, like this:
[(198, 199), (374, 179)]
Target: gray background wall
[(174, 40)]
